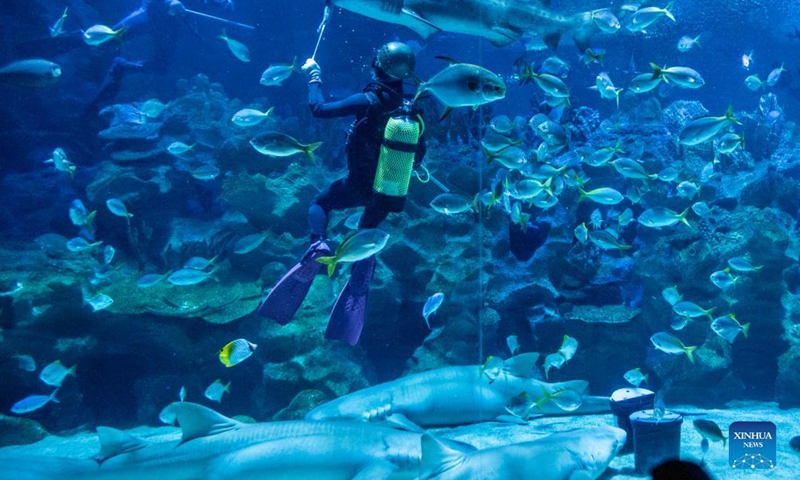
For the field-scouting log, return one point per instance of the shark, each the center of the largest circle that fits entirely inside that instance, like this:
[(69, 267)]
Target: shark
[(460, 395), (577, 455), (215, 447), (502, 22)]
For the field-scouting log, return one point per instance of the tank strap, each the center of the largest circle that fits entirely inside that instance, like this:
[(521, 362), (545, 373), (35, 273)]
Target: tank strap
[(400, 146)]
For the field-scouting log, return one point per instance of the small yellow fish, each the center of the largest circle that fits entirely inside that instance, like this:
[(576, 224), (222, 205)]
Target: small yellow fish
[(236, 352)]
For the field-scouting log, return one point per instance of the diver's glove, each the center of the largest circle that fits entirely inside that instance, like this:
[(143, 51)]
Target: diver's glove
[(176, 8), (312, 69)]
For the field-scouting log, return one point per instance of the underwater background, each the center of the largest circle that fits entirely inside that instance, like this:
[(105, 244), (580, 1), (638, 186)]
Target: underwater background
[(730, 250)]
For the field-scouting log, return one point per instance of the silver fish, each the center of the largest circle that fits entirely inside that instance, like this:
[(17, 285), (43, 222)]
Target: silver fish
[(216, 390), (33, 403), (188, 276)]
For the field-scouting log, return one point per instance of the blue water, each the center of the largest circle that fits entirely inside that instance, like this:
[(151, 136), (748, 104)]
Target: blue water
[(134, 356)]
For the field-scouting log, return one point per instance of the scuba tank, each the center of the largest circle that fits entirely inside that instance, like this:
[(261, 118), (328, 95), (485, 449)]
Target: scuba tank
[(398, 149)]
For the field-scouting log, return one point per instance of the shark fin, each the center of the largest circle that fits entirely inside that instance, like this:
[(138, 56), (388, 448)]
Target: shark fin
[(582, 32), (437, 457), (198, 421), (522, 365), (376, 470), (401, 422), (417, 17), (115, 442), (504, 36), (577, 386)]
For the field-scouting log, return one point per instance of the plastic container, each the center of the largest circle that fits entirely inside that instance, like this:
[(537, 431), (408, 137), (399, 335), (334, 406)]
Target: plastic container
[(624, 402), (655, 440)]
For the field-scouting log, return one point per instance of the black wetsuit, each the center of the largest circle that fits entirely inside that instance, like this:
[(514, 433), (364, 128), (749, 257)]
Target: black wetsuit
[(372, 108)]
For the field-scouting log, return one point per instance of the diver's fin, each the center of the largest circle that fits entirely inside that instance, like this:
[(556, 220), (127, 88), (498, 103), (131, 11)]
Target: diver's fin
[(400, 421), (438, 457), (285, 298), (198, 421), (115, 442), (522, 365), (347, 317)]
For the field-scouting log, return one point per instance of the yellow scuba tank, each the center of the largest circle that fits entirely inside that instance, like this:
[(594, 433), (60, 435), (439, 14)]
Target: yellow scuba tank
[(396, 160)]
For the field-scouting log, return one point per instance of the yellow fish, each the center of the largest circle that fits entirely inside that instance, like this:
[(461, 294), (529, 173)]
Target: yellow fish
[(236, 352)]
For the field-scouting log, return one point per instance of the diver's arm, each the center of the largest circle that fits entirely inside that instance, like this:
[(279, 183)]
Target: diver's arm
[(353, 105)]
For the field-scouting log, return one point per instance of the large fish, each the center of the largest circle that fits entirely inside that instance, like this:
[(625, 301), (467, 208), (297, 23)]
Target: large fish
[(500, 21), (455, 396), (215, 447), (580, 454), (34, 73)]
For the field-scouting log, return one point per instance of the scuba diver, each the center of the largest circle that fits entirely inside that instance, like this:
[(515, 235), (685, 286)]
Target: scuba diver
[(161, 19), (383, 145)]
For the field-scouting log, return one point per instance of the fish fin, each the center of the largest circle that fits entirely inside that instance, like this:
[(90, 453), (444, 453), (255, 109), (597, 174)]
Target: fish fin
[(488, 154), (682, 217), (522, 365), (510, 419), (198, 421), (745, 329), (378, 470), (668, 13), (577, 386), (417, 17), (446, 113), (437, 457), (447, 59), (401, 422), (326, 260), (115, 442), (689, 353), (729, 115), (310, 150)]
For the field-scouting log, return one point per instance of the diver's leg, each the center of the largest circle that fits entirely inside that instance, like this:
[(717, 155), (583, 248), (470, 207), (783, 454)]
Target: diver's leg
[(347, 317), (288, 294), (339, 195)]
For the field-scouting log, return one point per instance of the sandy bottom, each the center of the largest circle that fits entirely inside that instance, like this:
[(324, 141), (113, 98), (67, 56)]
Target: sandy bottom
[(492, 434)]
